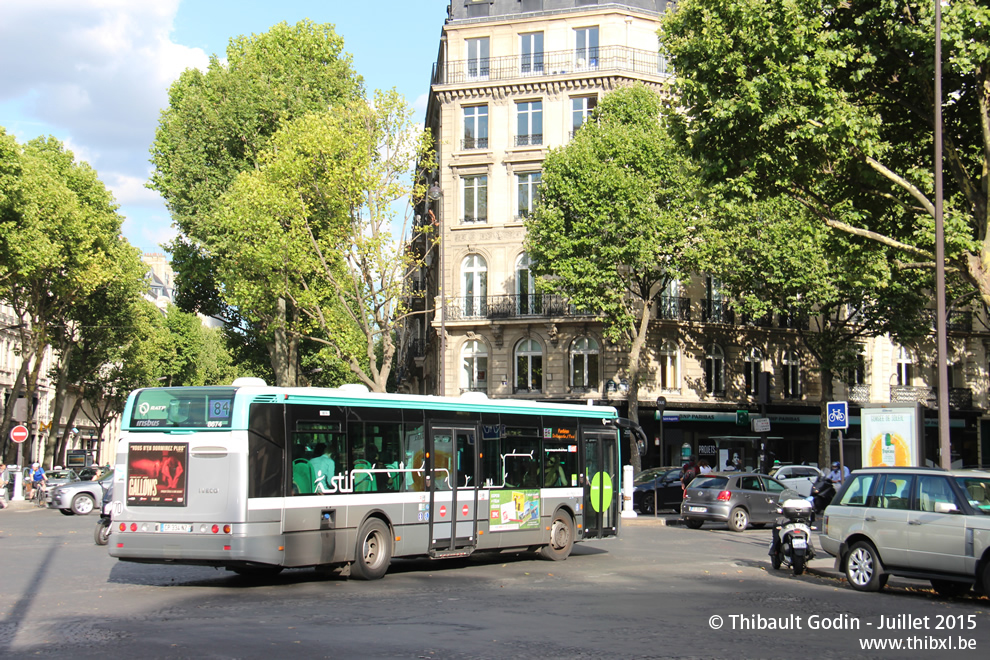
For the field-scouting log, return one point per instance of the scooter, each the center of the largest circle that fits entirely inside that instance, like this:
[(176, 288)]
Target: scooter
[(822, 492), (791, 542), (102, 532)]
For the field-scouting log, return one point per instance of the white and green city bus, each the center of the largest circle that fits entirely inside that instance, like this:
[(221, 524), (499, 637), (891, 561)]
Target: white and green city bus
[(254, 478)]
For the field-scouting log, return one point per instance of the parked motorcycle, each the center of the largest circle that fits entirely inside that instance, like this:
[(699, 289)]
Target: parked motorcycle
[(822, 492), (791, 543), (102, 532)]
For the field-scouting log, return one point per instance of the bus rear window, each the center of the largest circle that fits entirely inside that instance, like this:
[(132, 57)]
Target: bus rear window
[(178, 407)]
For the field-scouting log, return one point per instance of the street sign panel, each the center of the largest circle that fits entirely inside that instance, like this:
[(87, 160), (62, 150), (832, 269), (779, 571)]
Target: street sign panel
[(837, 413), (760, 424), (19, 433)]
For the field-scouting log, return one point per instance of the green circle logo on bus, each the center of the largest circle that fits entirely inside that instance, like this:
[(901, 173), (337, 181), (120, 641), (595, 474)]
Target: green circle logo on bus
[(601, 491)]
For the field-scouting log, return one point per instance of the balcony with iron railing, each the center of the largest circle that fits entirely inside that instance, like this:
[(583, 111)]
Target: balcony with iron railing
[(469, 143), (674, 308), (716, 311), (593, 61), (956, 320), (534, 140), (960, 398), (510, 307)]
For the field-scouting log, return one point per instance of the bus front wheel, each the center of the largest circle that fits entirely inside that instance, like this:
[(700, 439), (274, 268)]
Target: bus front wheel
[(373, 552), (561, 538)]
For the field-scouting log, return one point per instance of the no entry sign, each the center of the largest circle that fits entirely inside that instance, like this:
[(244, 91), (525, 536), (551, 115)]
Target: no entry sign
[(19, 433)]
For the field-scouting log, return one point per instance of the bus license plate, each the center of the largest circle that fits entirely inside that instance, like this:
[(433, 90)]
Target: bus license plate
[(697, 509), (176, 527)]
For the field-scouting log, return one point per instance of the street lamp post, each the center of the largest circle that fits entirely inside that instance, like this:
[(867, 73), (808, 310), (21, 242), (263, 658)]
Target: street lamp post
[(433, 194), (945, 450)]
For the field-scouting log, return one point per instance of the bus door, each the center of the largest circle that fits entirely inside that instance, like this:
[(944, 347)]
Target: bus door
[(452, 468), (601, 483)]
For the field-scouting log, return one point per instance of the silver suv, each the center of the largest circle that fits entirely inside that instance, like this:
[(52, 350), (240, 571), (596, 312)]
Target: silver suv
[(921, 523)]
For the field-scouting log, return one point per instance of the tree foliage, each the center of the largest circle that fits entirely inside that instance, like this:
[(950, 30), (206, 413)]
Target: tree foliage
[(59, 244), (313, 226), (832, 104), (616, 218), (835, 290), (216, 126)]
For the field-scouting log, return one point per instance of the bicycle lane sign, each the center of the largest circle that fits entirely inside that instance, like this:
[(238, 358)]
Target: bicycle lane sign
[(838, 414)]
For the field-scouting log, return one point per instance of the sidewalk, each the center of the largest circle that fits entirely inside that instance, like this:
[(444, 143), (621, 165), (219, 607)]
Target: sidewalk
[(822, 566), (20, 505)]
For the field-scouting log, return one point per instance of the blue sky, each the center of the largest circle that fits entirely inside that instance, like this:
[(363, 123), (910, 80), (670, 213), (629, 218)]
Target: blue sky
[(95, 73)]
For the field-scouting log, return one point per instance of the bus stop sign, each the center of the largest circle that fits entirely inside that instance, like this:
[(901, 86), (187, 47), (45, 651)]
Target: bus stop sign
[(838, 414)]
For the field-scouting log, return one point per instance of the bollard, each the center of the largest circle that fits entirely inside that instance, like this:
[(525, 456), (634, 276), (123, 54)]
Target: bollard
[(627, 492)]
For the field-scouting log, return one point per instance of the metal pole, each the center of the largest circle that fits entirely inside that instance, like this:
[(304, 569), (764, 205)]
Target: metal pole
[(842, 458), (944, 446)]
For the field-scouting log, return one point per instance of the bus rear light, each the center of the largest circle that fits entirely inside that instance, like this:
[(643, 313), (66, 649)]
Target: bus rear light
[(133, 527), (226, 529), (215, 529), (120, 545), (123, 527), (226, 547)]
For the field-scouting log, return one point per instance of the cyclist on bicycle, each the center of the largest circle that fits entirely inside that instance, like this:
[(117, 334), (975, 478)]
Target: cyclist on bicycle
[(37, 481)]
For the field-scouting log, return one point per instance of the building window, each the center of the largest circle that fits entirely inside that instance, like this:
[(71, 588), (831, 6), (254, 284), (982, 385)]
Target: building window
[(474, 367), (905, 367), (529, 123), (474, 284), (531, 53), (475, 127), (584, 363), (475, 199), (715, 370), (527, 301), (669, 379), (716, 308), (586, 48), (791, 375), (528, 193), (752, 366), (856, 374), (581, 109), (477, 58), (529, 366)]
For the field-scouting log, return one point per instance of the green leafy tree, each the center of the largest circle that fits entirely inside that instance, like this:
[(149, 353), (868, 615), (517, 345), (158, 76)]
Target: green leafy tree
[(832, 104), (216, 126), (313, 226), (615, 222), (59, 242), (835, 290)]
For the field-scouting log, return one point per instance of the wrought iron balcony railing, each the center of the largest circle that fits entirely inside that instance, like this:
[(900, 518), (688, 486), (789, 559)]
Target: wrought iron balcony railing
[(533, 140), (674, 308), (957, 320), (716, 311), (474, 143), (510, 307), (960, 398), (552, 63)]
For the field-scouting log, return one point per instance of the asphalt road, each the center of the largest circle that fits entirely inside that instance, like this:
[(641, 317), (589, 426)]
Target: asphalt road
[(657, 591)]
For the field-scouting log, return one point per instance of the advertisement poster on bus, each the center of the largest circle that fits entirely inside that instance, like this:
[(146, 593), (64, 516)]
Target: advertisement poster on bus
[(514, 509), (891, 435), (156, 473)]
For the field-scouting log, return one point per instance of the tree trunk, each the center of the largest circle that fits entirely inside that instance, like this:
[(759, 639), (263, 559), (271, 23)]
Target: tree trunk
[(8, 410), (63, 439), (284, 353), (61, 389), (824, 433), (633, 367), (30, 392)]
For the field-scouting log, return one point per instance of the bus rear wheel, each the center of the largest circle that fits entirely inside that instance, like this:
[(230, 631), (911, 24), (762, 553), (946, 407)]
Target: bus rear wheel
[(373, 552), (561, 538)]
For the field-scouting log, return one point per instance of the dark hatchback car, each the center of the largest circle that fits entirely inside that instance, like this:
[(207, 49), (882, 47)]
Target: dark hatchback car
[(657, 486), (739, 499)]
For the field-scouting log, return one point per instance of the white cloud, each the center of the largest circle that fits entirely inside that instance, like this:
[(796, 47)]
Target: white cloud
[(95, 70), (96, 73)]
